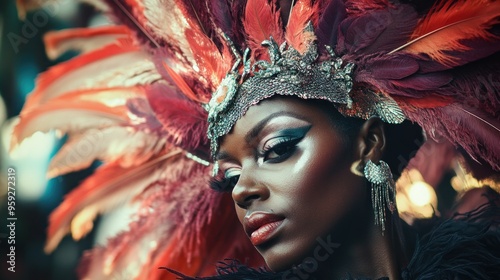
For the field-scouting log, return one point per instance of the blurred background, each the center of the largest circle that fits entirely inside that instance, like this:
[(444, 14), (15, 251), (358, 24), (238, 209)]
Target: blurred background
[(22, 57)]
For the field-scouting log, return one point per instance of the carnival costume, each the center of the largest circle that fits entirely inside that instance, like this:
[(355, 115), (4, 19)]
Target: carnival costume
[(155, 93)]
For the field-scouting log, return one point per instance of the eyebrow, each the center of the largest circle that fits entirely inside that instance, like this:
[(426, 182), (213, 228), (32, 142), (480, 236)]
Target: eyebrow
[(254, 132)]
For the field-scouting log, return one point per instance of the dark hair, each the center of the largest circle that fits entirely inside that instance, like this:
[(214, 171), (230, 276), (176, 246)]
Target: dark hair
[(402, 140)]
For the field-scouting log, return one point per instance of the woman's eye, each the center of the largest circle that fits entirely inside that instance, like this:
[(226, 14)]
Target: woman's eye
[(283, 145), (280, 151), (224, 184)]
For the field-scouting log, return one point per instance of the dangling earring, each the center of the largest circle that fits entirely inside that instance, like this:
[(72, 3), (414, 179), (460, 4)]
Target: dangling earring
[(382, 188)]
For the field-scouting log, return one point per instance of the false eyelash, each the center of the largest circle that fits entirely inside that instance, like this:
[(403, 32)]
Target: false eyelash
[(278, 143), (224, 184), (290, 142)]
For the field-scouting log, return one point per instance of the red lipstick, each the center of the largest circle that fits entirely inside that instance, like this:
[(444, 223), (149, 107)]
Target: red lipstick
[(261, 226)]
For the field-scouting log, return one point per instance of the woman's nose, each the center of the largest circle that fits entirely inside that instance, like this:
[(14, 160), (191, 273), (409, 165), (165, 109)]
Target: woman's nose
[(247, 190)]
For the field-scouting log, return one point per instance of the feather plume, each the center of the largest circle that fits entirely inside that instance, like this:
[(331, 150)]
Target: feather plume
[(93, 109), (222, 17), (478, 84), (170, 33), (449, 24), (111, 184), (212, 66), (187, 225), (66, 118), (262, 21), (132, 14), (185, 130), (476, 132), (181, 83), (82, 39), (357, 7), (109, 96), (85, 72), (328, 23), (122, 145), (238, 13), (197, 12), (377, 31), (296, 35)]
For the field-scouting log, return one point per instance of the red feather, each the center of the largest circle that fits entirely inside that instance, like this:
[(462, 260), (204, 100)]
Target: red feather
[(449, 24), (196, 11), (300, 16), (181, 83), (262, 21), (209, 60)]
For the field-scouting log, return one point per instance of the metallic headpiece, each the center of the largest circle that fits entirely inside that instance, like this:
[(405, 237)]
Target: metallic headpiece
[(290, 73)]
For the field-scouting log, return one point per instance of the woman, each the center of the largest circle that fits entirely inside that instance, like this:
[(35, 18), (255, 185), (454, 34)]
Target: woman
[(295, 94), (299, 192), (289, 166)]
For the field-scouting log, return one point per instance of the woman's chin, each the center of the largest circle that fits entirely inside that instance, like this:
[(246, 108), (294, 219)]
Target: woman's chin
[(280, 259)]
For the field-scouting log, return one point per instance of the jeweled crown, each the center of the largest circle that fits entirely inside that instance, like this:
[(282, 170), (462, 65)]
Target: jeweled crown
[(290, 73)]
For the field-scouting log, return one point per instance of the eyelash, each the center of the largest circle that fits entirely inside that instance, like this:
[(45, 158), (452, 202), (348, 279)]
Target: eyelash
[(283, 142), (227, 184), (224, 184)]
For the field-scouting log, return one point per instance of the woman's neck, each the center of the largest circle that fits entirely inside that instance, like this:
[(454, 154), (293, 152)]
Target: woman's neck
[(368, 254)]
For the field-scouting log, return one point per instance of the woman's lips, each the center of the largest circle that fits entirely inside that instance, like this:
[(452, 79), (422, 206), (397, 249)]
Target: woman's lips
[(261, 226)]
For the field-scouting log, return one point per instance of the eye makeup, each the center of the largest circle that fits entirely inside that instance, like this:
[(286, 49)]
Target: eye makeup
[(281, 144), (274, 142)]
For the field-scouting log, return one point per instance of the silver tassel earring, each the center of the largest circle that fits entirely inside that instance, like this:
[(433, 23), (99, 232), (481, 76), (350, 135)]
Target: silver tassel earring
[(383, 190)]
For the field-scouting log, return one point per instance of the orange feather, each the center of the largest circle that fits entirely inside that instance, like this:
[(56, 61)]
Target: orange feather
[(448, 24), (296, 35)]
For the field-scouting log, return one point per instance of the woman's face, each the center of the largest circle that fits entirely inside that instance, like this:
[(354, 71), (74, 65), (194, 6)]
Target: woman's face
[(294, 183)]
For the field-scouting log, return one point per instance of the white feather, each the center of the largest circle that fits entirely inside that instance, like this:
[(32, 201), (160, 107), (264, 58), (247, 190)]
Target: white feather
[(122, 144)]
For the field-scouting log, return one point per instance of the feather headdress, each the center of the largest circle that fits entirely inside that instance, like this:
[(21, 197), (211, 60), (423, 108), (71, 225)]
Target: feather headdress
[(137, 94)]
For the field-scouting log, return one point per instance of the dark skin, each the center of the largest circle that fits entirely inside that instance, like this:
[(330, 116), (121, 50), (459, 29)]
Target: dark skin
[(291, 161)]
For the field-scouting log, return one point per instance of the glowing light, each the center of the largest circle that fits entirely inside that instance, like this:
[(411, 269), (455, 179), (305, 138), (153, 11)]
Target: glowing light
[(421, 193), (30, 159)]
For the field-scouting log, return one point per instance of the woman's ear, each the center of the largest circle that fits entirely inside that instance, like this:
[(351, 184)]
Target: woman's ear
[(371, 140)]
